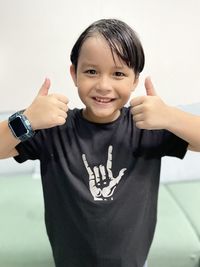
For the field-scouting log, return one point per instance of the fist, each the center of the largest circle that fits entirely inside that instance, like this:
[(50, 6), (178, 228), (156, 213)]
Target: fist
[(47, 110), (149, 111)]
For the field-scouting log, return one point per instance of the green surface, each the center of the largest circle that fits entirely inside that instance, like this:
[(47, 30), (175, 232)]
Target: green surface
[(23, 239), (24, 243), (187, 196), (175, 243)]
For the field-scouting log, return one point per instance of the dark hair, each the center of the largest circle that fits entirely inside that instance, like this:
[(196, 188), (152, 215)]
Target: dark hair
[(121, 38)]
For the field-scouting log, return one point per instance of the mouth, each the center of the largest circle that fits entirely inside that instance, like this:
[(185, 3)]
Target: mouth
[(103, 100)]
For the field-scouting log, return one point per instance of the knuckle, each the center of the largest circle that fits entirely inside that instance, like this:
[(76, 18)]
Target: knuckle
[(52, 99), (53, 119), (139, 125)]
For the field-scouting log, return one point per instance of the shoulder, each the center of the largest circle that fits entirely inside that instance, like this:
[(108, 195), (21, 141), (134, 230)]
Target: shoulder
[(73, 113), (72, 116)]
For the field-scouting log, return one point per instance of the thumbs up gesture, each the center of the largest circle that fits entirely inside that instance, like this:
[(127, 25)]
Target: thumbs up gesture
[(47, 110), (149, 111)]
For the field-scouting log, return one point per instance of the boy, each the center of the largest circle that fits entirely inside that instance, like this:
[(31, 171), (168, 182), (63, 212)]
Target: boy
[(100, 165)]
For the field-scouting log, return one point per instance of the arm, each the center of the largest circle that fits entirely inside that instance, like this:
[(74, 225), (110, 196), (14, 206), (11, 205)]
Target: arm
[(186, 126), (7, 142), (46, 111), (150, 112)]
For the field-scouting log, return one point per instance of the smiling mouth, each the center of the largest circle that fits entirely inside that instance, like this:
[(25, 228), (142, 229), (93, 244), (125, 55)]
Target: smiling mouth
[(103, 100)]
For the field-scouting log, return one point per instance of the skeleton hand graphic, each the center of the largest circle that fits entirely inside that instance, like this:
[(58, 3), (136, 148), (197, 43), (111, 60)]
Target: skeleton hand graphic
[(102, 184)]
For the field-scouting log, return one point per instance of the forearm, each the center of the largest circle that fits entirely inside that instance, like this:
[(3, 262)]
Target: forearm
[(184, 125), (7, 141)]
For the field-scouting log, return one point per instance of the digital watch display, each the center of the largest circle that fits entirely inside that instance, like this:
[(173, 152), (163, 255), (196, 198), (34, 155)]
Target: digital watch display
[(20, 126)]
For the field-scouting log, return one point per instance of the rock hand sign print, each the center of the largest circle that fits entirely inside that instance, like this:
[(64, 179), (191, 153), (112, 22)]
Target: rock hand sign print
[(102, 184)]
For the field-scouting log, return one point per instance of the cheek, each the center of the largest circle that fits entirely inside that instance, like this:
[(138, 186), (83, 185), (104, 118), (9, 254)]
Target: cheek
[(83, 91), (83, 84), (82, 95), (125, 96), (126, 93), (127, 89)]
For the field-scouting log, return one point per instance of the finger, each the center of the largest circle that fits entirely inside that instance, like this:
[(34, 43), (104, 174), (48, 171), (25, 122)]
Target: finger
[(62, 106), (60, 121), (60, 97), (141, 125), (138, 117), (91, 175), (62, 113), (137, 109), (103, 173), (97, 176), (109, 161), (121, 173), (137, 101), (85, 161), (118, 178), (150, 90), (45, 87)]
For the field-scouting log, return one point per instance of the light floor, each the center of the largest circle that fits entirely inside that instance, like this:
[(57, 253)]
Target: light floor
[(23, 238)]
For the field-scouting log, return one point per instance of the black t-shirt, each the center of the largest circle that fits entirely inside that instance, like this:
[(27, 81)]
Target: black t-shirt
[(100, 185)]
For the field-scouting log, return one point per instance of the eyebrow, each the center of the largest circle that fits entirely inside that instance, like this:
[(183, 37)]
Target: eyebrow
[(88, 64), (119, 67)]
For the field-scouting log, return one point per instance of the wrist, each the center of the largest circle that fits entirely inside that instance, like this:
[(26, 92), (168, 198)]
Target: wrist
[(172, 119), (30, 119)]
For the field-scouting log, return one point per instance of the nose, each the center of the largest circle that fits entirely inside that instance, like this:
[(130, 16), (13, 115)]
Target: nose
[(104, 84)]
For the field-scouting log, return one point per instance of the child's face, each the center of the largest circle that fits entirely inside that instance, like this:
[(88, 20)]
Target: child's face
[(104, 84)]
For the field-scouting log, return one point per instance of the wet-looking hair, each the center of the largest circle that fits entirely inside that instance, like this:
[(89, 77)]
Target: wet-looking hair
[(121, 38)]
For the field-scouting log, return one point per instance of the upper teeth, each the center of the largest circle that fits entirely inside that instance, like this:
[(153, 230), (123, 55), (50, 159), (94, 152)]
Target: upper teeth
[(103, 100)]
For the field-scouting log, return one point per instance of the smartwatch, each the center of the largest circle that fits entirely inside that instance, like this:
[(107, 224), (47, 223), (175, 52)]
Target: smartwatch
[(20, 126)]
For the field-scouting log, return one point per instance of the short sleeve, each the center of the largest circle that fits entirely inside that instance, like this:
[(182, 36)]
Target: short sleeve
[(30, 149), (159, 143), (173, 145)]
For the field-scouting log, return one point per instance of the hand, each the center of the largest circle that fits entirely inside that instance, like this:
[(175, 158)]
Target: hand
[(47, 110), (150, 112), (101, 181)]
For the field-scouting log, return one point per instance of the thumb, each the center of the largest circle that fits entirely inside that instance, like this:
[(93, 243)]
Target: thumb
[(45, 88), (150, 90)]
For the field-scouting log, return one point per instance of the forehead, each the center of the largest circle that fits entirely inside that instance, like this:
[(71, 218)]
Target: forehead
[(97, 50)]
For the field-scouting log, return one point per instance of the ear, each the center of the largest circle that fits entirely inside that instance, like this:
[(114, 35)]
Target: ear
[(73, 74), (135, 84)]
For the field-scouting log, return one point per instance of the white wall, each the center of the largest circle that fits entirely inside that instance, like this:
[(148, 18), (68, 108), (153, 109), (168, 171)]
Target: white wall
[(36, 37)]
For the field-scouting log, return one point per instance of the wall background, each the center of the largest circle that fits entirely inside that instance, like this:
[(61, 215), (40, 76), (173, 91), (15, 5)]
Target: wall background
[(36, 38)]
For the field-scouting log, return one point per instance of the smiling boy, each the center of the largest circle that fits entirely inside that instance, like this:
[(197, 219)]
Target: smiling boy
[(104, 81), (100, 165)]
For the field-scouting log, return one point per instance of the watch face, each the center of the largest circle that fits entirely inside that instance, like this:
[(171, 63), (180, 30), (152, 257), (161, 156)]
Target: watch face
[(18, 127)]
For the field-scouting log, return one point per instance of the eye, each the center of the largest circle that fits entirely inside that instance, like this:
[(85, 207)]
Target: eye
[(119, 74), (91, 72)]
